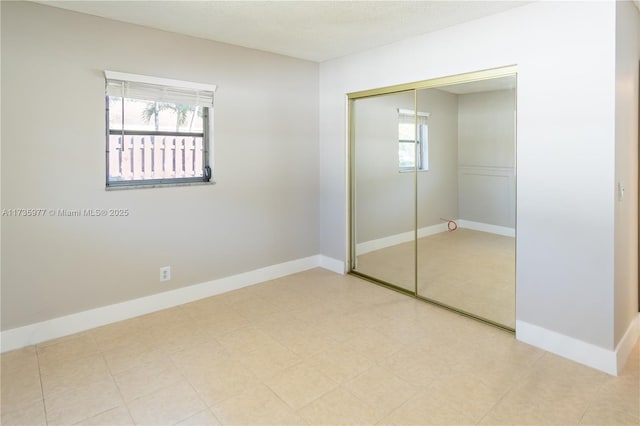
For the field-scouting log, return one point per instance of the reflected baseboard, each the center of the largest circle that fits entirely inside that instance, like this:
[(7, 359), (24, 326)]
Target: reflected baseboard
[(486, 227), (405, 237), (392, 240)]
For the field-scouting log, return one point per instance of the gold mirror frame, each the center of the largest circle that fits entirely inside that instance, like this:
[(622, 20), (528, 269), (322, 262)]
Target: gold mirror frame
[(488, 74)]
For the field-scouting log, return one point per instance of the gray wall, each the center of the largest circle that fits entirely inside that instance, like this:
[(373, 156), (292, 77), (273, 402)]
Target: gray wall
[(438, 187), (486, 157), (262, 211)]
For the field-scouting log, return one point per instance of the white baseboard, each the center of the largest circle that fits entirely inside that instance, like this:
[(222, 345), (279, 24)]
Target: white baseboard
[(609, 361), (331, 264), (58, 327), (432, 230), (486, 227)]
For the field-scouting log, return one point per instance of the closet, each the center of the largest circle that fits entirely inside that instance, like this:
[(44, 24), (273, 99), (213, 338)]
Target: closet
[(433, 191)]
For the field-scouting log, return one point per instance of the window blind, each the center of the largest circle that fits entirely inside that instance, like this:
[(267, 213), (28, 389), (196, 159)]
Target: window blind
[(158, 89)]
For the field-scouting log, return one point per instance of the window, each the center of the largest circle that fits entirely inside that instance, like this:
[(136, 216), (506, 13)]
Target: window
[(158, 130), (413, 153)]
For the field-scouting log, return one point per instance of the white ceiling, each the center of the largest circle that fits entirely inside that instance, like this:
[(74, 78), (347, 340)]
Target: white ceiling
[(312, 30)]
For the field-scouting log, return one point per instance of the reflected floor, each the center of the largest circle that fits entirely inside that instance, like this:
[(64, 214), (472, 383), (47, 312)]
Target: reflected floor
[(470, 270)]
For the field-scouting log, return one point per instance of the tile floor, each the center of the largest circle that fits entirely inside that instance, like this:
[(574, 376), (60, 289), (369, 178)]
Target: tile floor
[(470, 270), (312, 348)]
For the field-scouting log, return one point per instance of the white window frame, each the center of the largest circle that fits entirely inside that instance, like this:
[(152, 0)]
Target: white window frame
[(157, 89), (421, 157)]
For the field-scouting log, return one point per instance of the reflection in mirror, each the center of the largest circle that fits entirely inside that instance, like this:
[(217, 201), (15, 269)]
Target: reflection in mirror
[(384, 148), (469, 263), (433, 193)]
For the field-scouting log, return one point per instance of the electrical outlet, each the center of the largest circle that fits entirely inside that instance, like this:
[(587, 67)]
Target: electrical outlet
[(165, 273)]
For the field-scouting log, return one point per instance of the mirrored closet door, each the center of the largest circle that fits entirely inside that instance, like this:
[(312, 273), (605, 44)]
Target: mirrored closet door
[(433, 182), (384, 203)]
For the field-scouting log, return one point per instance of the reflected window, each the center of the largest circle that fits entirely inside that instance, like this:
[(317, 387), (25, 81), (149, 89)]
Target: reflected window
[(413, 147)]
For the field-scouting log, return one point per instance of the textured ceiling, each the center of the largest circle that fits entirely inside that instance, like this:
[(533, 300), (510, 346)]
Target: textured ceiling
[(312, 30)]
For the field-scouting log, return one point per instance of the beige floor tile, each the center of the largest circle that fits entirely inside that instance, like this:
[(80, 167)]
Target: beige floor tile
[(374, 345), (253, 308), (407, 331), (500, 356), (66, 349), (118, 416), (561, 372), (287, 300), (557, 391), (166, 406), (203, 418), (416, 366), (82, 402), (200, 357), (531, 413), (282, 331), (147, 378), (426, 408), (311, 314), (607, 415), (341, 363), (225, 324), (338, 349), (406, 310), (165, 318), (365, 317), (620, 395), (338, 407), (381, 389), (27, 415), (20, 359), (20, 387), (175, 337), (68, 375), (118, 334), (246, 339), (269, 361), (339, 328), (256, 406), (300, 384), (280, 324), (206, 309), (310, 342), (292, 419), (232, 297), (124, 358), (467, 394), (63, 339), (221, 380)]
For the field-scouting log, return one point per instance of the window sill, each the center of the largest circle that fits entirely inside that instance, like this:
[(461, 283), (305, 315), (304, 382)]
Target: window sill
[(157, 185), (412, 170)]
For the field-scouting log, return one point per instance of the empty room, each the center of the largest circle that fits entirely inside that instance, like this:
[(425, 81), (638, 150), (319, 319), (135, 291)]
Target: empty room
[(319, 212)]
